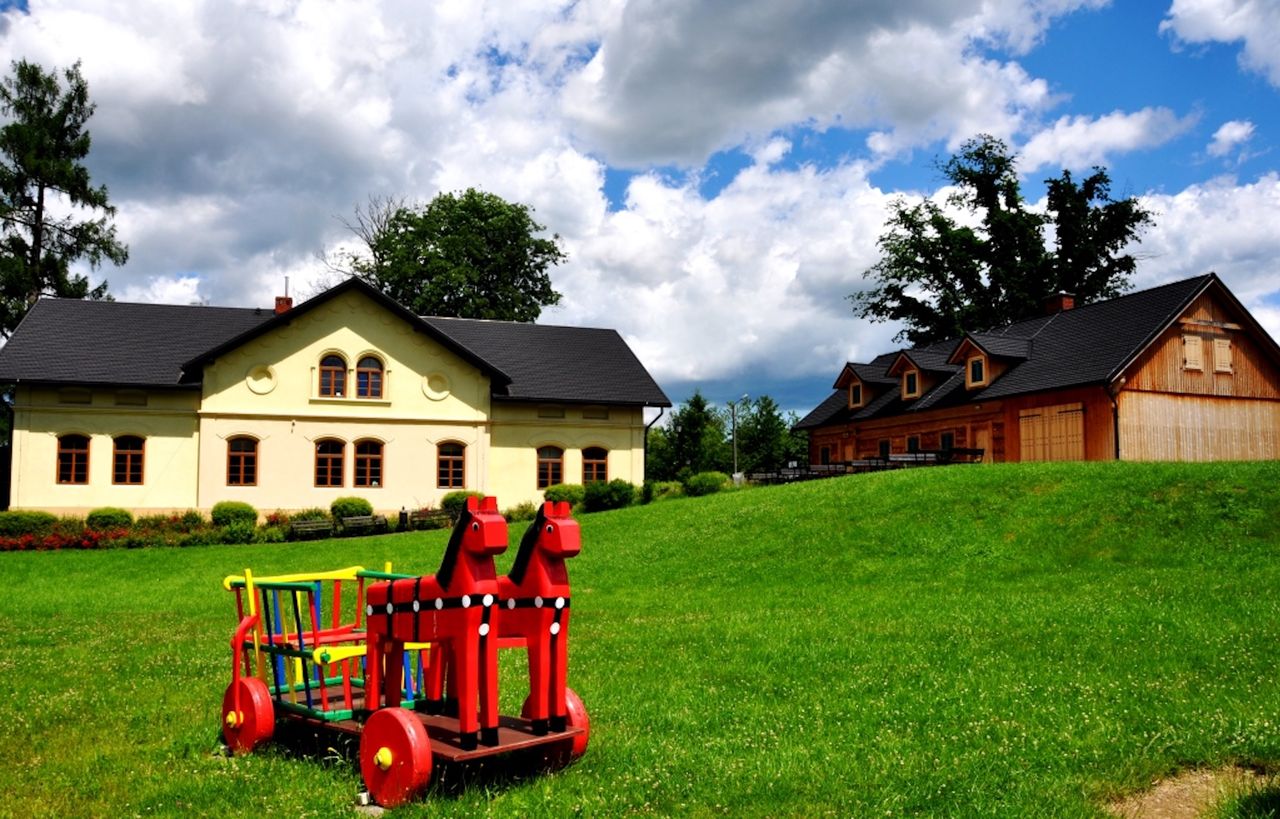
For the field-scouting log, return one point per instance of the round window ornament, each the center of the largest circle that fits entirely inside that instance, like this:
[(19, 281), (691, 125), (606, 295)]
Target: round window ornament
[(436, 386), (261, 379)]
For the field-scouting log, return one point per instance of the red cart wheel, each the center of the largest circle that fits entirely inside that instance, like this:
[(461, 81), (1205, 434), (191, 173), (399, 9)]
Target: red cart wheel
[(395, 756), (561, 754), (254, 723)]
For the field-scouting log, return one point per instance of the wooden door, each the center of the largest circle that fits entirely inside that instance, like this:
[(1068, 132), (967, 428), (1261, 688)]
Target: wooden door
[(1053, 433)]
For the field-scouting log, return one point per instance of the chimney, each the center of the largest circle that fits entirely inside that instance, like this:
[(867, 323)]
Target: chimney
[(1058, 303), (283, 304)]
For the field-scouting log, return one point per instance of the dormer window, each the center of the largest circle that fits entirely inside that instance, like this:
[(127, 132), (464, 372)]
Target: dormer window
[(976, 371), (911, 384), (333, 376), (855, 395)]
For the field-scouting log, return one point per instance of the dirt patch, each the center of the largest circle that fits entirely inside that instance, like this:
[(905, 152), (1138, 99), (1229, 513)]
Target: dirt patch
[(1189, 795)]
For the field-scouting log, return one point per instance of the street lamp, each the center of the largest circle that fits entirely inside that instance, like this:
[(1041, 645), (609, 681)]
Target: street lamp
[(733, 417)]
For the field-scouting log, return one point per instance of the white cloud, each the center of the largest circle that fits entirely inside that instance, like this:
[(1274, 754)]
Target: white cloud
[(1255, 22), (1229, 136), (1082, 141), (1220, 226)]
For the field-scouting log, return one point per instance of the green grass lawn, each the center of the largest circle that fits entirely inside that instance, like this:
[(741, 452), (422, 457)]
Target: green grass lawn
[(995, 640)]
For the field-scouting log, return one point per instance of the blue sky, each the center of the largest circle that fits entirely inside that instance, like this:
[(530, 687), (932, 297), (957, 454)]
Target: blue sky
[(718, 171)]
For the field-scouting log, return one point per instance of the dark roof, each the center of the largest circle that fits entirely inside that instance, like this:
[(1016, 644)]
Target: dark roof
[(68, 341), (1091, 344), (549, 363), (117, 343)]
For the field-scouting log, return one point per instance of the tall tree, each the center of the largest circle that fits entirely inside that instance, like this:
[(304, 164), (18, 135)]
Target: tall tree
[(698, 438), (471, 254), (45, 192), (763, 436), (941, 278)]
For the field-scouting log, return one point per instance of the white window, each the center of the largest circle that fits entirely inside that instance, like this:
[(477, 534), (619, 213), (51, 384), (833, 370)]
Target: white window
[(1193, 353), (1222, 355)]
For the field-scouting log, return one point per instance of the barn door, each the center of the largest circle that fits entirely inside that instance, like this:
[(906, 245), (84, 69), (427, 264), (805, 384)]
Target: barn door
[(1052, 433)]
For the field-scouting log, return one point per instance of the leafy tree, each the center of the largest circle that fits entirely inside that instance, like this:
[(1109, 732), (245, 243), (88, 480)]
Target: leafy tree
[(471, 254), (762, 436), (941, 278), (45, 192)]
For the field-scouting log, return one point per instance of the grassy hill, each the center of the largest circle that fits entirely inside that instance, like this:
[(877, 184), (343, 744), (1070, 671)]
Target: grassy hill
[(1012, 640)]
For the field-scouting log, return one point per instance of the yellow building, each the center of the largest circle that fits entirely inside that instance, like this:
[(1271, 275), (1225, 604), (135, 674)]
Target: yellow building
[(160, 408)]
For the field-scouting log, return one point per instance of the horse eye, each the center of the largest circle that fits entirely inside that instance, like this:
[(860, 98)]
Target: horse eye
[(475, 527), (550, 528)]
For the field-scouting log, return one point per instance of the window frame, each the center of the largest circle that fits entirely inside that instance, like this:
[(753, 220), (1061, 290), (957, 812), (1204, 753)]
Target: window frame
[(451, 469), (365, 376), (855, 395), (365, 464), (913, 377), (554, 467), (134, 461), (247, 461), (83, 462), (598, 464), (329, 460), (985, 371), (337, 377), (1192, 353), (947, 440), (1223, 363)]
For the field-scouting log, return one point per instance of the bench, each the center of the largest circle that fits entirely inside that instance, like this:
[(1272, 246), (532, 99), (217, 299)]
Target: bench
[(356, 524), (311, 528), (430, 519)]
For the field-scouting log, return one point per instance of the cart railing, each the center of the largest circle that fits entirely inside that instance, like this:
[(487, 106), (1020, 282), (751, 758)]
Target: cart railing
[(304, 636)]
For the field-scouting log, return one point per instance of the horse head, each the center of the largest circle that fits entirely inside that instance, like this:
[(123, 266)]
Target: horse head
[(479, 534), (553, 532)]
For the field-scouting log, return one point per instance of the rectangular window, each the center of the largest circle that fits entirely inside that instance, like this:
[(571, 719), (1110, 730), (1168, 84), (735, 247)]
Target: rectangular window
[(824, 455), (910, 384), (450, 466), (855, 396), (1222, 355), (977, 371), (913, 443), (1193, 353), (242, 462), (947, 441), (368, 464), (73, 459), (884, 449), (550, 466), (329, 463), (127, 460)]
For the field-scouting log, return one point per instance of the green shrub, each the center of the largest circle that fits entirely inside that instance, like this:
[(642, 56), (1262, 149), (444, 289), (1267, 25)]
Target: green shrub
[(190, 521), (239, 531), (350, 508), (526, 510), (270, 534), (455, 502), (570, 493), (15, 523), (109, 517), (314, 513), (705, 483), (661, 490), (616, 494), (227, 513)]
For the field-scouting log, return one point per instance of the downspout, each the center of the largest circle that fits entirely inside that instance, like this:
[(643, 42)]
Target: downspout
[(1114, 391), (658, 417)]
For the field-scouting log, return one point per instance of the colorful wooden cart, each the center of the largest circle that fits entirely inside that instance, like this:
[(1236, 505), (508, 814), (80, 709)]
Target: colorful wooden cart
[(383, 657)]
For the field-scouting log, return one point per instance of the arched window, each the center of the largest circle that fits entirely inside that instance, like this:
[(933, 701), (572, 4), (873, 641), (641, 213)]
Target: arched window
[(368, 463), (550, 466), (333, 376), (242, 461), (595, 464), (369, 377), (329, 462), (450, 470), (73, 459), (126, 464)]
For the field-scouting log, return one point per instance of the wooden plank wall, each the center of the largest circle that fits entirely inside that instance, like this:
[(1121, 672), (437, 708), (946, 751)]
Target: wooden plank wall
[(1162, 427)]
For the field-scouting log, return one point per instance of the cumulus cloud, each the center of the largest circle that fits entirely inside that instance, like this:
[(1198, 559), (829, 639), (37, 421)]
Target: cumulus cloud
[(1081, 141), (1230, 136), (1256, 23)]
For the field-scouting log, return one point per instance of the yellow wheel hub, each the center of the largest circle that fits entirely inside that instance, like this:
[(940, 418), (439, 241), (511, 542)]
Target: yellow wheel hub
[(383, 758), (234, 719)]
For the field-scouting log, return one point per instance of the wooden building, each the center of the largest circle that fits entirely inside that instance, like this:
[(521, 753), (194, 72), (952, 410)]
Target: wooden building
[(1180, 372)]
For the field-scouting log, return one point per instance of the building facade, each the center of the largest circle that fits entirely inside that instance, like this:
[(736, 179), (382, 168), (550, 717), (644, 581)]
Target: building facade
[(1181, 372), (159, 408)]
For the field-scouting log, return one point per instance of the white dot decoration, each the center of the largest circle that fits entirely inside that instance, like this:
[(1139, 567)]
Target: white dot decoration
[(439, 604), (559, 602), (368, 610), (555, 628), (416, 605), (390, 607), (484, 629), (488, 600), (511, 604), (537, 602), (466, 601)]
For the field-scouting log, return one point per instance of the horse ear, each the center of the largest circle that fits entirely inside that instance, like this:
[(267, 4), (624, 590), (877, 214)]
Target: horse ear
[(562, 509), (548, 509), (473, 504), (489, 503)]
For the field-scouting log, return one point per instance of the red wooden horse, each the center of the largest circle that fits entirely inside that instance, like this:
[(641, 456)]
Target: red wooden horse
[(535, 606), (456, 608)]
